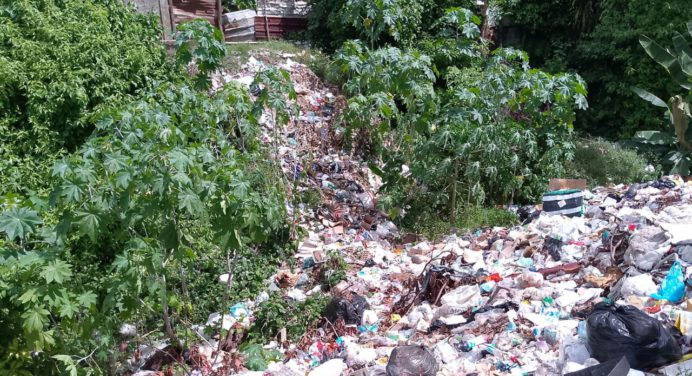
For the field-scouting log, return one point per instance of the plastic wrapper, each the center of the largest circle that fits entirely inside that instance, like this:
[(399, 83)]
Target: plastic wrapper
[(673, 286), (411, 361), (614, 332)]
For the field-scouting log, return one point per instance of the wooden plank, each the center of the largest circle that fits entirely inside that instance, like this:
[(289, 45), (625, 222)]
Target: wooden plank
[(186, 10)]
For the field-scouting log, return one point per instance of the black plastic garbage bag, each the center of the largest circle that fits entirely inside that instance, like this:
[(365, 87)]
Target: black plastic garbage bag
[(411, 361), (350, 311), (553, 247), (614, 332)]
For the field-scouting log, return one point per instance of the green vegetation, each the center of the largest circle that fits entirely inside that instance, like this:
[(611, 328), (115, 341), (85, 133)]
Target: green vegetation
[(381, 22), (278, 313), (463, 128), (676, 144), (128, 185), (435, 228), (602, 162), (599, 39), (172, 180), (60, 63)]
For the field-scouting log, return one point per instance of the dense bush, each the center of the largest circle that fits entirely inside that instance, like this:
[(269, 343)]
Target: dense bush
[(278, 313), (333, 22), (602, 162), (599, 39), (675, 143), (168, 187), (493, 133), (60, 62)]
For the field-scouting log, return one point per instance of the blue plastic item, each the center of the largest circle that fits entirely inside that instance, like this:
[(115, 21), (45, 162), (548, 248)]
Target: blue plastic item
[(673, 286)]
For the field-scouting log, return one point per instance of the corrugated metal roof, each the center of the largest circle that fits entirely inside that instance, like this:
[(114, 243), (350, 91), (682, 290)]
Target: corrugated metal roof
[(283, 8)]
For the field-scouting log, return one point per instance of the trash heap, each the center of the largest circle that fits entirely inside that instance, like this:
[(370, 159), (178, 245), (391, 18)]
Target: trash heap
[(557, 295), (525, 300)]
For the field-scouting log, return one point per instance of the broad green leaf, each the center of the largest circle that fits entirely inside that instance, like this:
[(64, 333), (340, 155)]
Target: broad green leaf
[(87, 299), (56, 271), (189, 201), (35, 319), (649, 97), (68, 362), (19, 223), (89, 224), (681, 163), (68, 309), (665, 58), (28, 296), (680, 44), (60, 168)]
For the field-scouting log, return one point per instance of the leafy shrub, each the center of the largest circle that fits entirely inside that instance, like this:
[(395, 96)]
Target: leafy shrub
[(326, 27), (602, 162), (434, 227), (201, 47), (599, 40), (493, 136), (676, 143), (399, 20), (60, 62), (277, 313), (333, 22), (164, 182)]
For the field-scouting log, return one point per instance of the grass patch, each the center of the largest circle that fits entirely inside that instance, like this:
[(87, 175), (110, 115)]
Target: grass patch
[(434, 227), (277, 313), (602, 162)]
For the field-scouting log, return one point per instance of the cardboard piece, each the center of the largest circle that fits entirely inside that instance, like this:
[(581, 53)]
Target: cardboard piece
[(562, 184)]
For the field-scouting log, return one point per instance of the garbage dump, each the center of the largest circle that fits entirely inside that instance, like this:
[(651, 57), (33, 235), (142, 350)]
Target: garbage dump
[(602, 282)]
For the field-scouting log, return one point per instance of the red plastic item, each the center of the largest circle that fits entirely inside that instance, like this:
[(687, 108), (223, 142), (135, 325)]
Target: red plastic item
[(495, 277)]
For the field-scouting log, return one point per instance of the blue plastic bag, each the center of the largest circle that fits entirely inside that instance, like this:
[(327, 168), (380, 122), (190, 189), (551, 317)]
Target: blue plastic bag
[(673, 287)]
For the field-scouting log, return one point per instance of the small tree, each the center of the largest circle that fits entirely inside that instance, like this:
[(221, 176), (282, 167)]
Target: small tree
[(678, 64)]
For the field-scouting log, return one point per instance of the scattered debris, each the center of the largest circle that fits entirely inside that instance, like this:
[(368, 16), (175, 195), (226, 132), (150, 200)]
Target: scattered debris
[(521, 301)]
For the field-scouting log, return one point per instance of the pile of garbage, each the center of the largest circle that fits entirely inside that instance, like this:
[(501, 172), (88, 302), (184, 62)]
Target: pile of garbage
[(602, 290), (554, 296)]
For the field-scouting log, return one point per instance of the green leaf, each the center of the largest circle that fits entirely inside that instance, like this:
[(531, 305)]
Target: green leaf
[(649, 97), (56, 271), (19, 223), (654, 138), (376, 170), (681, 164), (170, 238), (254, 357), (87, 299), (68, 362), (68, 309), (89, 224), (680, 44), (665, 58), (28, 296), (189, 201), (35, 319)]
